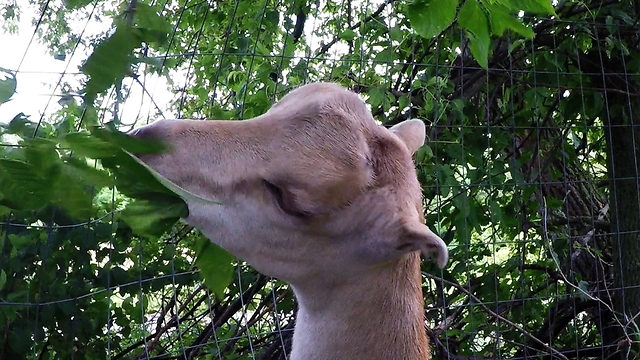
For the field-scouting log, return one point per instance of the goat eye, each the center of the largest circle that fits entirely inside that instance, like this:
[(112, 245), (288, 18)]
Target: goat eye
[(284, 200)]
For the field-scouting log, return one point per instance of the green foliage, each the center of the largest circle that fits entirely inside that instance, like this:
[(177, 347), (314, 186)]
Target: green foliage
[(482, 19), (502, 19), (112, 59), (76, 4), (154, 217), (511, 174), (7, 85), (215, 266), (429, 18), (110, 62), (543, 7), (473, 18)]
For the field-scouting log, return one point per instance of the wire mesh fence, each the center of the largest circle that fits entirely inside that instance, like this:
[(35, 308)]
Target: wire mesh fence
[(529, 174)]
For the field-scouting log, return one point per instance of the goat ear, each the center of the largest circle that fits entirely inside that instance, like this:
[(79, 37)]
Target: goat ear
[(416, 236), (411, 132)]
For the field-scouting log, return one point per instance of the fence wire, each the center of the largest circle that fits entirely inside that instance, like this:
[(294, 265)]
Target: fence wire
[(529, 175)]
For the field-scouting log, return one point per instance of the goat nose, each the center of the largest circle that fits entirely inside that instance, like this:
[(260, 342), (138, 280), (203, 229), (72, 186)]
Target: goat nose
[(147, 141)]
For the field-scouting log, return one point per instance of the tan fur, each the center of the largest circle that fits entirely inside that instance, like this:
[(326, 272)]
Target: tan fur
[(346, 230)]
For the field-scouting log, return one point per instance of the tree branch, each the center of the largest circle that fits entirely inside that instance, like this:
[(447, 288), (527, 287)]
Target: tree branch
[(325, 48), (499, 317)]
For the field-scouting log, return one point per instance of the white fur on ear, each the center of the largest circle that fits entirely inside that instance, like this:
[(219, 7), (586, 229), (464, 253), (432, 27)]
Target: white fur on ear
[(417, 236), (412, 132)]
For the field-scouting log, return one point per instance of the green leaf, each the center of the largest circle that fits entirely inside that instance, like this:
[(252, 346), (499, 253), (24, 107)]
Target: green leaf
[(147, 17), (128, 143), (396, 33), (377, 96), (480, 49), (514, 45), (42, 181), (109, 63), (3, 279), (132, 178), (83, 144), (21, 242), (154, 217), (496, 212), (474, 20), (502, 19), (76, 4), (22, 186), (70, 194), (8, 84), (20, 124), (348, 35), (151, 27), (430, 17), (159, 203), (544, 7), (41, 154), (583, 292), (215, 265), (86, 173), (424, 153), (242, 42), (136, 179), (386, 56), (461, 202)]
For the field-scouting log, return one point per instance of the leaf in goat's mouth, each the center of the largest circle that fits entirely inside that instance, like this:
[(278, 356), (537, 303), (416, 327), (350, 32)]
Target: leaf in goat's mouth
[(157, 203), (184, 194), (124, 167)]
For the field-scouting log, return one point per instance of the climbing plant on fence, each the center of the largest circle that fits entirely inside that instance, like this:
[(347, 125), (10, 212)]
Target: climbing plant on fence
[(530, 173)]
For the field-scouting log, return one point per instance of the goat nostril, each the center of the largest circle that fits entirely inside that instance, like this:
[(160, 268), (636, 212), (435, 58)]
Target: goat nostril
[(144, 133), (136, 133)]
